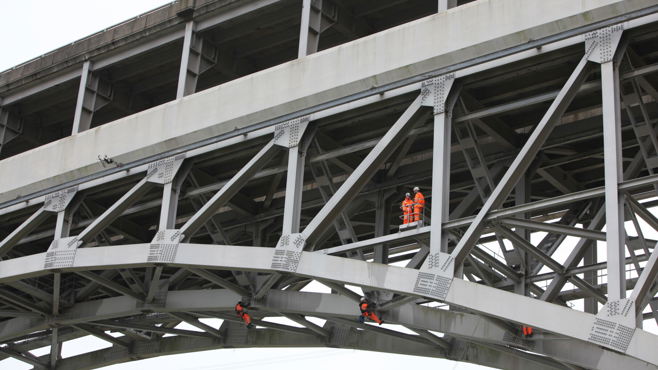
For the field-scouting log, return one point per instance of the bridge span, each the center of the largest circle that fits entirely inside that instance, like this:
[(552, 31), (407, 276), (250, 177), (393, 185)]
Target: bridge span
[(216, 151)]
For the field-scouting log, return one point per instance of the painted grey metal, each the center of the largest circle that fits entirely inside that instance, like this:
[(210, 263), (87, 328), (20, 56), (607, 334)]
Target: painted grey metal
[(607, 40), (93, 94), (646, 280), (228, 191), (570, 35), (523, 159), (363, 172), (159, 277), (438, 90), (444, 5)]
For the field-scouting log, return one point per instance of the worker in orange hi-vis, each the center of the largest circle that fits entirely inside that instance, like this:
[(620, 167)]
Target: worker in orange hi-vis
[(246, 318), (366, 312), (407, 209), (527, 331), (419, 204)]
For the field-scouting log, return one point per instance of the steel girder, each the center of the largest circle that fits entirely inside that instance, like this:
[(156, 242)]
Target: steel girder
[(496, 303), (166, 282)]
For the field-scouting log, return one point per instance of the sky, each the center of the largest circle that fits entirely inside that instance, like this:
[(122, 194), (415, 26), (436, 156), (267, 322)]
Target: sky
[(31, 28)]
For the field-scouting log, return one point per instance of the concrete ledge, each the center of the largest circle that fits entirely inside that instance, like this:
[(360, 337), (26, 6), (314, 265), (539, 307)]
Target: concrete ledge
[(431, 43)]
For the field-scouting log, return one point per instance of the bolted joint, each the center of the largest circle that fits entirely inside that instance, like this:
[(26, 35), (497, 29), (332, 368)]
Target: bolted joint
[(435, 92), (58, 201), (614, 325), (164, 170), (61, 253), (288, 252), (164, 246), (288, 134), (600, 45), (435, 276)]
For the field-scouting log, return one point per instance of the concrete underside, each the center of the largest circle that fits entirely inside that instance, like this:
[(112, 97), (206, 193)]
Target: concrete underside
[(471, 31)]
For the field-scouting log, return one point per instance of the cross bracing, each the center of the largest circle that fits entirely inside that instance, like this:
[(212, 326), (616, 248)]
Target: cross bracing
[(184, 238)]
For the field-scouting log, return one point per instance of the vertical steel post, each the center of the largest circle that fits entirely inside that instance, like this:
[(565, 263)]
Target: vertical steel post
[(381, 225), (605, 43), (169, 206), (440, 173), (309, 32), (444, 5), (294, 183), (522, 196), (190, 64), (78, 119)]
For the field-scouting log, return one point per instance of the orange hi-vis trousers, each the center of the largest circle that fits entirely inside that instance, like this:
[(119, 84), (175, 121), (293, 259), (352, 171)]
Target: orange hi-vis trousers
[(372, 316), (407, 209)]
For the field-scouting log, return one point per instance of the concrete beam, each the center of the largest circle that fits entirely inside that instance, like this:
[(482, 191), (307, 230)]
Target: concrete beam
[(153, 131)]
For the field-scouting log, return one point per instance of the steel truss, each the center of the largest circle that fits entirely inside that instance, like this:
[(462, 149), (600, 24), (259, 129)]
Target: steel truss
[(80, 262)]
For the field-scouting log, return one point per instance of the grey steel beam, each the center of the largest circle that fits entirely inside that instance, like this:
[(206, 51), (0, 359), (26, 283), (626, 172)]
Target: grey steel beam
[(475, 296), (261, 338), (189, 65), (93, 94), (554, 228), (641, 211), (196, 323), (197, 57), (444, 5), (22, 230), (301, 320), (102, 335), (24, 303), (342, 290), (24, 357), (122, 325), (613, 174), (645, 281), (294, 189), (11, 126), (114, 211), (441, 147), (362, 174), (213, 278), (109, 284), (311, 27), (228, 190), (530, 249), (523, 160)]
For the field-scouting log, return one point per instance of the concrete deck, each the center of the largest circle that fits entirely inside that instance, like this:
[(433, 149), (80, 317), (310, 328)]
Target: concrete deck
[(431, 43)]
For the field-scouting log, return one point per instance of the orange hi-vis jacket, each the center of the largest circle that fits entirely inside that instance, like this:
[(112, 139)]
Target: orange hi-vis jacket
[(407, 210), (419, 203), (419, 200)]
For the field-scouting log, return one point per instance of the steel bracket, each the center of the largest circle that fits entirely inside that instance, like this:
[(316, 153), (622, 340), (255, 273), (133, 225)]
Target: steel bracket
[(164, 246), (288, 252), (61, 253), (435, 92), (288, 134), (435, 276), (58, 201), (614, 325), (164, 170), (600, 45)]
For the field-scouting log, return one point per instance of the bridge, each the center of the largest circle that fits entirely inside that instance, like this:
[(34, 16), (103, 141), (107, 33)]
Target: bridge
[(215, 151)]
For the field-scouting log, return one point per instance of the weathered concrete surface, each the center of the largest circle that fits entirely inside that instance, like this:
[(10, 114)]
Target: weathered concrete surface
[(133, 31), (470, 31)]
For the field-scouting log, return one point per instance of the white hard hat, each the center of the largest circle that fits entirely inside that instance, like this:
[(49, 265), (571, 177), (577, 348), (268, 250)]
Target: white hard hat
[(408, 194), (363, 299), (416, 188)]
